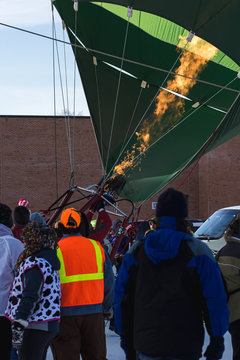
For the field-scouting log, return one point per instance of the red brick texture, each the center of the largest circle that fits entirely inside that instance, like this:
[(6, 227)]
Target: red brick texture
[(35, 165)]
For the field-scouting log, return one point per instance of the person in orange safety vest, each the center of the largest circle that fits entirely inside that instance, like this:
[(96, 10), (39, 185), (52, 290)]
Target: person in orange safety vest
[(87, 283)]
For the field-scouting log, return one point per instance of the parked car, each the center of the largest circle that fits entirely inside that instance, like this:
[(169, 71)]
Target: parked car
[(212, 230)]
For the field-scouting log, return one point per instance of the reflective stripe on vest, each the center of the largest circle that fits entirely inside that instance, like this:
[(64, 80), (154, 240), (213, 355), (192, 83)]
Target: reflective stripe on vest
[(82, 277), (81, 272)]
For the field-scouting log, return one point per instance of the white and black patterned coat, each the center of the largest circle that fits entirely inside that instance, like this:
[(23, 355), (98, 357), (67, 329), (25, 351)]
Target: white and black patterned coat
[(47, 307)]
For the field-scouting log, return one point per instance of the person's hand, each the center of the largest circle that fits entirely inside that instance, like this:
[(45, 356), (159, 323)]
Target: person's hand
[(215, 349), (108, 315), (17, 335)]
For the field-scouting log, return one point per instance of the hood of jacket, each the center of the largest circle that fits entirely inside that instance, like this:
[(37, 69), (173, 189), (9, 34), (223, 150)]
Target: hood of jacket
[(5, 231), (163, 244), (51, 256)]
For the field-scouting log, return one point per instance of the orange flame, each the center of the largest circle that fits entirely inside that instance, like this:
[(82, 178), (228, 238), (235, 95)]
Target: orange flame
[(192, 62)]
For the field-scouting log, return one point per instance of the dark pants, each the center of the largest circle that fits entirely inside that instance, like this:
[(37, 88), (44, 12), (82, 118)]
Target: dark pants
[(234, 330), (141, 356), (80, 334), (14, 355), (127, 346), (35, 344), (6, 338)]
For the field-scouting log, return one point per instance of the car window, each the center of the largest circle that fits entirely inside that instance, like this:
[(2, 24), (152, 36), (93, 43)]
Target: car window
[(216, 224)]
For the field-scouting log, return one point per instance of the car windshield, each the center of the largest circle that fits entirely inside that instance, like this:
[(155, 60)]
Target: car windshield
[(216, 224)]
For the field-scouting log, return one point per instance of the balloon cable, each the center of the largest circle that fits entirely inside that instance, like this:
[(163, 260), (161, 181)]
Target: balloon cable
[(54, 102), (124, 146), (117, 93), (201, 151), (99, 113), (66, 116), (179, 122), (118, 57)]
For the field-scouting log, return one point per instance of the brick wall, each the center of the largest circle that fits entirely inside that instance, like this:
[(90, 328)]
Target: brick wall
[(30, 167), (219, 174), (35, 165)]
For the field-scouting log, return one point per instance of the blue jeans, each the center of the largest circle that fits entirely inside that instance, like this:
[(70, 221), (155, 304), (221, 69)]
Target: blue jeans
[(14, 355)]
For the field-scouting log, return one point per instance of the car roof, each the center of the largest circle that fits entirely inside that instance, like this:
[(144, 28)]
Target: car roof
[(237, 207)]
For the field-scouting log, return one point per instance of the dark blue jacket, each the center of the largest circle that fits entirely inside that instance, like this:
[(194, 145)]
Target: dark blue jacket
[(166, 287)]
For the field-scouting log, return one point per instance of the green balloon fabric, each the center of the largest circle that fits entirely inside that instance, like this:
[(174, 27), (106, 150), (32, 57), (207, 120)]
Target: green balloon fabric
[(157, 101)]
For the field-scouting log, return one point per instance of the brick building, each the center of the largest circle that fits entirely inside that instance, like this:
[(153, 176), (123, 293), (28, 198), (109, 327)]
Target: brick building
[(35, 164)]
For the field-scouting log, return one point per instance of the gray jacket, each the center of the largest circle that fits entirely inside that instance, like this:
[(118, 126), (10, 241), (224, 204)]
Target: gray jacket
[(10, 249)]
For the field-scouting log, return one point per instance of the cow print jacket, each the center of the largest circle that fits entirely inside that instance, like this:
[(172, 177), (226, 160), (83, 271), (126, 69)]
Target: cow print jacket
[(35, 294)]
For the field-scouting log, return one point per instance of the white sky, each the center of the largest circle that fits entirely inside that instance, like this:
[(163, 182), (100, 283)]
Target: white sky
[(26, 62)]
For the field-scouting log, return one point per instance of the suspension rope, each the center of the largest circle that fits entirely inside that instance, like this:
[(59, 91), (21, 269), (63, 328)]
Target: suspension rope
[(124, 145), (203, 149), (179, 122), (207, 144), (54, 102), (66, 79), (64, 107), (189, 39), (157, 190), (74, 92), (126, 60), (99, 112), (120, 58), (68, 120), (117, 93)]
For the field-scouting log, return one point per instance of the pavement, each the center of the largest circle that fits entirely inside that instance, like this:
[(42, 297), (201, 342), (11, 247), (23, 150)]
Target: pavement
[(114, 351)]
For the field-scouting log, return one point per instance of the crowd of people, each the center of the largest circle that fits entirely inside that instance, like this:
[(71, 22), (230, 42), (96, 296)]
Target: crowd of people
[(161, 293)]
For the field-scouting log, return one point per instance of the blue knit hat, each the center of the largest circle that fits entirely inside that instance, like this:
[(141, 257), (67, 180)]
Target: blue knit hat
[(172, 203), (37, 218)]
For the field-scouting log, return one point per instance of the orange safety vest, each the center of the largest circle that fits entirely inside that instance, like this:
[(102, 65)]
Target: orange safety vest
[(81, 272)]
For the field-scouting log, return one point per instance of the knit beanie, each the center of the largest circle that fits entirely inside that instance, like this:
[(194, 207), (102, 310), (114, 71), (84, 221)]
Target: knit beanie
[(172, 203), (21, 215), (23, 202), (37, 217), (6, 215)]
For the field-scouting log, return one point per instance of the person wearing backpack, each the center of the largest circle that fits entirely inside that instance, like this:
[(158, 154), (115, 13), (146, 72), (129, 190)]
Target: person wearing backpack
[(168, 286)]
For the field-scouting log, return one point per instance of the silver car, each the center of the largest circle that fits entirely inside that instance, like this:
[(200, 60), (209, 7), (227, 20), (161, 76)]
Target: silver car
[(212, 230)]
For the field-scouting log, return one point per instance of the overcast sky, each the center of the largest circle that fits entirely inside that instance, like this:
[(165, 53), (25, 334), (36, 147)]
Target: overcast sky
[(26, 62)]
